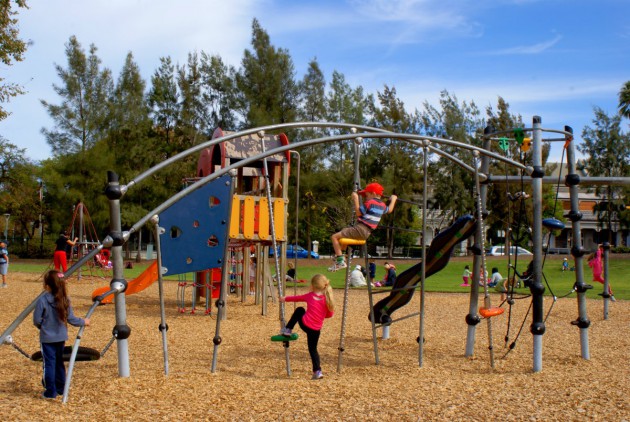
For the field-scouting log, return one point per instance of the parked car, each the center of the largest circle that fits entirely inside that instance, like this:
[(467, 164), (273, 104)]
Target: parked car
[(500, 251), (294, 251)]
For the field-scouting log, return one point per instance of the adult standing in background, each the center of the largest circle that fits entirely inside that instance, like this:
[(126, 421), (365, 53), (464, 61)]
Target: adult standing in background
[(60, 257)]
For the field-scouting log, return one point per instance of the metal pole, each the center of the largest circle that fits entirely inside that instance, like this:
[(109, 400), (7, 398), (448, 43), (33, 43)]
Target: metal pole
[(221, 303), (118, 283), (537, 287), (163, 327), (606, 294), (423, 267), (297, 215), (573, 180)]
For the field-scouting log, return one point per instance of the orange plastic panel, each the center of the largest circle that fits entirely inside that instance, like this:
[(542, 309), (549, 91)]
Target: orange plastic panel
[(279, 214), (248, 217), (235, 219), (263, 219)]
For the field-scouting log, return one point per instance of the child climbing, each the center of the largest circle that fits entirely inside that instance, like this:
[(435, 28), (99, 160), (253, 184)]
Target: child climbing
[(53, 312), (368, 214), (319, 306)]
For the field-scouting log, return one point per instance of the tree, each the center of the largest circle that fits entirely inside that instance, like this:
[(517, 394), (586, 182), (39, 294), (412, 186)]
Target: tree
[(609, 150), (219, 92), (453, 185), (83, 116), (19, 187), (398, 166), (12, 49), (268, 92), (624, 100), (163, 100)]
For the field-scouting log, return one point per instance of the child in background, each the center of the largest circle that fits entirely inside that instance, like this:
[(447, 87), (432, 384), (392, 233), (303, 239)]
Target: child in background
[(372, 271), (290, 272), (4, 263), (565, 265), (319, 306), (466, 276), (368, 216), (52, 314), (499, 284)]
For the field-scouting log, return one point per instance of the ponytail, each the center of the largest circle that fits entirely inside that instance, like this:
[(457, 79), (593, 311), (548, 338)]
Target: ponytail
[(320, 282)]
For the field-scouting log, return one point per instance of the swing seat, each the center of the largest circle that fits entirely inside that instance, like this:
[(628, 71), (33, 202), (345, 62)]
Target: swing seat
[(552, 224), (491, 311), (280, 337), (83, 354), (344, 241)]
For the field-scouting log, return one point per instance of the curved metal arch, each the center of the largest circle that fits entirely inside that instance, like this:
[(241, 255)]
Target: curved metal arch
[(416, 139), (234, 135), (352, 127)]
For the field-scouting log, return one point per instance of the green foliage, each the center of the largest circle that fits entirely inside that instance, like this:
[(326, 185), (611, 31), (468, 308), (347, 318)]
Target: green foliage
[(12, 48), (609, 150)]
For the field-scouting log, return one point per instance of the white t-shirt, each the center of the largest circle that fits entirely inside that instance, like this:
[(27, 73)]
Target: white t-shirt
[(357, 279)]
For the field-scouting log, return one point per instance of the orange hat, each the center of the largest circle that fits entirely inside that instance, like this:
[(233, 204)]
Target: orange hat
[(374, 188)]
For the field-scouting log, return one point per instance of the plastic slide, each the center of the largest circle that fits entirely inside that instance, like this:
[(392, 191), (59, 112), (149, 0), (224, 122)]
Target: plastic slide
[(138, 284), (438, 255)]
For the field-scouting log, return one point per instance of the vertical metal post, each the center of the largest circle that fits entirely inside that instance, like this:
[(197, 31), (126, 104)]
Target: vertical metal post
[(122, 331), (606, 295), (537, 287), (221, 303), (297, 215), (472, 319), (163, 325), (577, 251), (423, 266)]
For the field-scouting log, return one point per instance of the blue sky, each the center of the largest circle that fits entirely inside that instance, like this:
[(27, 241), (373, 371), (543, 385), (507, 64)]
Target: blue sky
[(553, 58)]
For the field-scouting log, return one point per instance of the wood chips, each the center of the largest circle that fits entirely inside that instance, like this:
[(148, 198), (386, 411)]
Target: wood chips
[(251, 381)]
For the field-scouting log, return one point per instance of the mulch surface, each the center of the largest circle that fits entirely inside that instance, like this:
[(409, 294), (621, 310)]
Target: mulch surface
[(251, 381)]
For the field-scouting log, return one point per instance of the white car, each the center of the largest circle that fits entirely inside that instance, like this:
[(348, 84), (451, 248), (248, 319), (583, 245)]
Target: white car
[(500, 251)]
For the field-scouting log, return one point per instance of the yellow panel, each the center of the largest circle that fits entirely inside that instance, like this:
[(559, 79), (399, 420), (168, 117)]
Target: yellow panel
[(235, 219), (279, 216), (263, 219), (248, 217)]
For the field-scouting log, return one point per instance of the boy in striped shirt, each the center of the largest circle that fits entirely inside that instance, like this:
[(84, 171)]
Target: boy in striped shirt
[(368, 216)]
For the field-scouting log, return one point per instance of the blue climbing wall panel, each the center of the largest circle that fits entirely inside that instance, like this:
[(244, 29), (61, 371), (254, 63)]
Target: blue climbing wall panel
[(195, 229)]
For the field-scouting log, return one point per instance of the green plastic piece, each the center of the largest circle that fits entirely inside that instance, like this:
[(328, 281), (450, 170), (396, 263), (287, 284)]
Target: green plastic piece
[(519, 135), (504, 144), (280, 337)]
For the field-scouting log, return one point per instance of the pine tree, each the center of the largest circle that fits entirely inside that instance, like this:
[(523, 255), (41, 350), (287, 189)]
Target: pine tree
[(83, 116), (268, 91)]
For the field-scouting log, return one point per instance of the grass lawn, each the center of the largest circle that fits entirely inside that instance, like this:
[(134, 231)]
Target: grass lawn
[(447, 280)]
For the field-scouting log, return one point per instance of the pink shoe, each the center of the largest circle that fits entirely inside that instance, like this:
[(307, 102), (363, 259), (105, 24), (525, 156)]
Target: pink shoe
[(464, 285)]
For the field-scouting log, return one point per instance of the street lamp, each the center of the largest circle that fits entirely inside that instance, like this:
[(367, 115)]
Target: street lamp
[(6, 226)]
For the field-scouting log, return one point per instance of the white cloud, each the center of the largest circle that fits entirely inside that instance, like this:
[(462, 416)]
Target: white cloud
[(527, 49)]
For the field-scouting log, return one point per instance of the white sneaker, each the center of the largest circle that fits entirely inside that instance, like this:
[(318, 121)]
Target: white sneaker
[(337, 266)]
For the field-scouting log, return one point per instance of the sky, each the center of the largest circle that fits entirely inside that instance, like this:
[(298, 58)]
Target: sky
[(557, 59)]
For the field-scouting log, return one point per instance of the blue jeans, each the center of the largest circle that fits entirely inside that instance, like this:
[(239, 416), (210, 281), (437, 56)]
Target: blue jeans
[(54, 377)]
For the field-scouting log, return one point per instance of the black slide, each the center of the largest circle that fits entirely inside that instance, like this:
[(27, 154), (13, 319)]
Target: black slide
[(438, 255)]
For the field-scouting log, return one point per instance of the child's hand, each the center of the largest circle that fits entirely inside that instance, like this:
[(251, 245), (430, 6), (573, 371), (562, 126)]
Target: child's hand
[(281, 299), (86, 322)]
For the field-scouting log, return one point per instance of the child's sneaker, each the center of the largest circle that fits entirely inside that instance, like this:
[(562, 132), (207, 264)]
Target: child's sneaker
[(338, 265), (317, 375), (286, 332)]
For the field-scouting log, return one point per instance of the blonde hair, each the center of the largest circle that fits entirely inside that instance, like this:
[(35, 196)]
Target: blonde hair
[(320, 282)]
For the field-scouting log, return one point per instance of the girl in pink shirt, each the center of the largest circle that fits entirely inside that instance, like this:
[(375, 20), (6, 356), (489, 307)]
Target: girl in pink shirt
[(319, 306)]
